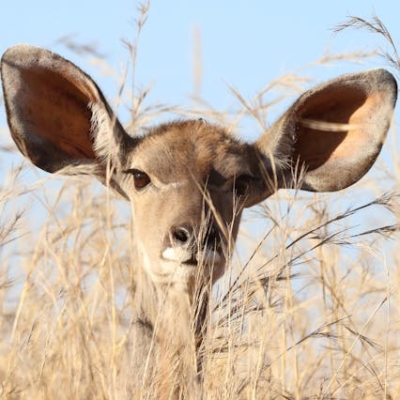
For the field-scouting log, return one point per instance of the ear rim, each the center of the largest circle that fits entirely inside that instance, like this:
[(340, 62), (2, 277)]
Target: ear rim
[(278, 153), (104, 138)]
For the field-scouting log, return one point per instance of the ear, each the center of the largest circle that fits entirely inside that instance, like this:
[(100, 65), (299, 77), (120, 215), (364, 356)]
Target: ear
[(57, 115), (333, 133)]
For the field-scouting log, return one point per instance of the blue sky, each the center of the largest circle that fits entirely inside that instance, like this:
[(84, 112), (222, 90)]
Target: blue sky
[(244, 43)]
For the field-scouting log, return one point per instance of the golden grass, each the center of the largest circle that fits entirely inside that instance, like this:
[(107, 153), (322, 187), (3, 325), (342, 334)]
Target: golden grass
[(310, 311)]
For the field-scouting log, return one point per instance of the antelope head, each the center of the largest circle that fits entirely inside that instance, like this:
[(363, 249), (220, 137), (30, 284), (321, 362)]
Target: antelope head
[(188, 181)]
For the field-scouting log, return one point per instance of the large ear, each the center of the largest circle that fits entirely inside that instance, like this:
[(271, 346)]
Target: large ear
[(57, 115), (333, 133)]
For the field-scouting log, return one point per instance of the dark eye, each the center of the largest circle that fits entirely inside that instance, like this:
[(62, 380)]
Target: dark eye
[(140, 178), (241, 186)]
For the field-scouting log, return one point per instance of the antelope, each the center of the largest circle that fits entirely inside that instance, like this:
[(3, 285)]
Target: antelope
[(188, 182)]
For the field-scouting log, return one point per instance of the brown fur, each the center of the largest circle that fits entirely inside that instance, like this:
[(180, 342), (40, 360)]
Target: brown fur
[(188, 182)]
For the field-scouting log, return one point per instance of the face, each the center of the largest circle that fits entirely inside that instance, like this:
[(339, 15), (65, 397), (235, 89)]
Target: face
[(188, 183)]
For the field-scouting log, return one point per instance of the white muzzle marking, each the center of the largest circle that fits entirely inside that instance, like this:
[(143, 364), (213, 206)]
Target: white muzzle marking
[(182, 255)]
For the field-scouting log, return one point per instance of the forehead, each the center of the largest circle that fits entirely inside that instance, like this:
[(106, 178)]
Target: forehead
[(194, 146)]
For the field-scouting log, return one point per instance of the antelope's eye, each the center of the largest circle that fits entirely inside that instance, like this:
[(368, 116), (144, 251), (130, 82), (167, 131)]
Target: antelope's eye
[(241, 186), (140, 178)]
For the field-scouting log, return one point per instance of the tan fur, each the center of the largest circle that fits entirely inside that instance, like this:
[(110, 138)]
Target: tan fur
[(188, 182)]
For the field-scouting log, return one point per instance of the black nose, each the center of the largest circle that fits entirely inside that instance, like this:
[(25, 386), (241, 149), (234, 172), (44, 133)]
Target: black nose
[(184, 235), (212, 238)]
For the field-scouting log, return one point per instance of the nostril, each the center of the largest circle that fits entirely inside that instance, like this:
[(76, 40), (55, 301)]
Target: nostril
[(181, 234), (212, 238)]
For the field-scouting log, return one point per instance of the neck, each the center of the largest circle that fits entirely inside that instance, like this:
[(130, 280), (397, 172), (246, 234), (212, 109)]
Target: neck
[(169, 331)]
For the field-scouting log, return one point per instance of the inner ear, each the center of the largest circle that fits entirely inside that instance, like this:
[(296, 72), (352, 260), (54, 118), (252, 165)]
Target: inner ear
[(331, 136), (57, 115), (330, 125), (63, 121)]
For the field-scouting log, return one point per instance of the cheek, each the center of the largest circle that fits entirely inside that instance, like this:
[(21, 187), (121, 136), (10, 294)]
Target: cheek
[(148, 229), (235, 226), (229, 213)]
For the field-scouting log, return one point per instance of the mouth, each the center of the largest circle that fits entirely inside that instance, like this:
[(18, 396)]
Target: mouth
[(185, 256), (192, 262)]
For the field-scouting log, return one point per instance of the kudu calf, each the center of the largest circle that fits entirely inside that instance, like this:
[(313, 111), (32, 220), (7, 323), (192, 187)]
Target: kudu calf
[(188, 181)]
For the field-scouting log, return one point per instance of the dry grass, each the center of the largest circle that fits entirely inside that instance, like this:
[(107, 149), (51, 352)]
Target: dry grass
[(311, 312)]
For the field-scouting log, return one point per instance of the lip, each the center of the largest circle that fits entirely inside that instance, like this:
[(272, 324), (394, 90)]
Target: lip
[(192, 262), (185, 257)]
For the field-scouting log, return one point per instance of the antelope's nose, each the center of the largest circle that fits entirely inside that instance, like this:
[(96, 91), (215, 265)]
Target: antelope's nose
[(184, 245), (180, 245), (185, 236)]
